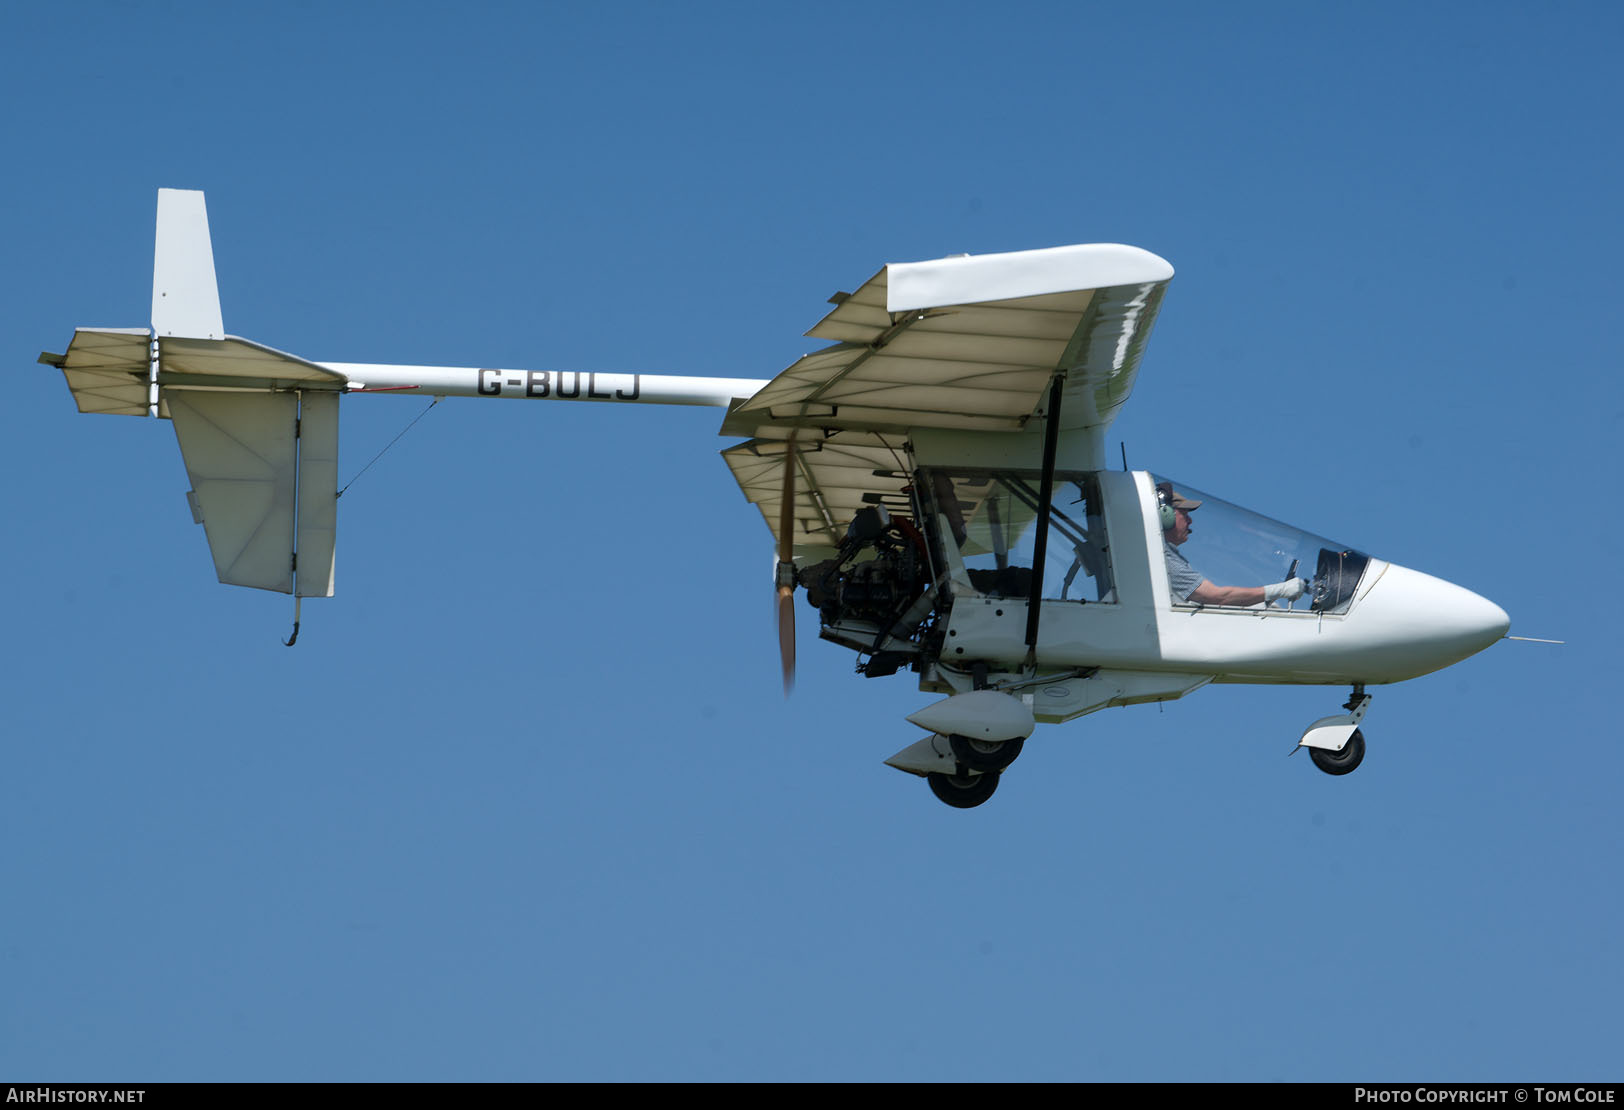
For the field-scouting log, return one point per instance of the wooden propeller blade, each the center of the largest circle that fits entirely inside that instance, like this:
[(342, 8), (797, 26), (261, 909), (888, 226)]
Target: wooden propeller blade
[(786, 555), (786, 635), (786, 505)]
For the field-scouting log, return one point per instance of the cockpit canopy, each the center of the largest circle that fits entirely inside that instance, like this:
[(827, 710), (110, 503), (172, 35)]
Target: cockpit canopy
[(1231, 546), (988, 517)]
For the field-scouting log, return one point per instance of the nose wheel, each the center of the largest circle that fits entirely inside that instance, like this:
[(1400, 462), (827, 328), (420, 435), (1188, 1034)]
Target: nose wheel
[(1325, 732), (1344, 761)]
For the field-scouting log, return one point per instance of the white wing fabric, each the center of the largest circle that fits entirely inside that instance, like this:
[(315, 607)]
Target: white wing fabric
[(969, 343)]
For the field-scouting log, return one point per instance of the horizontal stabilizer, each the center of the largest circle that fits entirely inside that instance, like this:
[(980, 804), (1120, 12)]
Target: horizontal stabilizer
[(239, 363), (108, 369)]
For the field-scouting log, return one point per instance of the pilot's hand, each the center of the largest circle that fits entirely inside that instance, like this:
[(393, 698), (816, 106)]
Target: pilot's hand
[(1291, 589)]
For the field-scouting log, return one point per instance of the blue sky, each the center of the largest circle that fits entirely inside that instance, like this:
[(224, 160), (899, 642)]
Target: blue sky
[(526, 801)]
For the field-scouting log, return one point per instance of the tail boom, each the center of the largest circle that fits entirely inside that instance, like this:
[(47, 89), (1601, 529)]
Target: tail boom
[(545, 385)]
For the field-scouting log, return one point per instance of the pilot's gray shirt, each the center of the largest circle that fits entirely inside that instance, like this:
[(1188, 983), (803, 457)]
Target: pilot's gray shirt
[(1182, 578)]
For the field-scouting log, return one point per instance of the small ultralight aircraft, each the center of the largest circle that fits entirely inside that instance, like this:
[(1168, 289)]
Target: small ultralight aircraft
[(934, 479)]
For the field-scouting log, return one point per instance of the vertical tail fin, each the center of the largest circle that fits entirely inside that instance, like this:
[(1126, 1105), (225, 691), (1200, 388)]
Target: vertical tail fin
[(185, 298)]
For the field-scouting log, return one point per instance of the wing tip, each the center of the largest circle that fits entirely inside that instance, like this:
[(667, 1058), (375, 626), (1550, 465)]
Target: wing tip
[(971, 279)]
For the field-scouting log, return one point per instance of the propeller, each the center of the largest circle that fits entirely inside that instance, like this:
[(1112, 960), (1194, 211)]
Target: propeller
[(785, 571)]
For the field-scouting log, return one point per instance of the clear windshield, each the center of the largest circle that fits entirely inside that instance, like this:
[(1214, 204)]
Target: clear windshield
[(1221, 554)]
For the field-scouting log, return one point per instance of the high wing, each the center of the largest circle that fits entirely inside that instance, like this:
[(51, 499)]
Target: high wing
[(969, 344)]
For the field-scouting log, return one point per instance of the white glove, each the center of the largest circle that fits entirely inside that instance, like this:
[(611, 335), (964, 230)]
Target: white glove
[(1291, 589)]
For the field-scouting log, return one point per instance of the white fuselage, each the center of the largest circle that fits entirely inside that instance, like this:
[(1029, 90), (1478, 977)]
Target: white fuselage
[(1401, 623), (1138, 643)]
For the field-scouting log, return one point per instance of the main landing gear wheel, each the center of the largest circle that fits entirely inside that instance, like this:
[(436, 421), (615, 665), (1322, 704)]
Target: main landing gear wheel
[(1340, 763), (985, 755), (963, 791)]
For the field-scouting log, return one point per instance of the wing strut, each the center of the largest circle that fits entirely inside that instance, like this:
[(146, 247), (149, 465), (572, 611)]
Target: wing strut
[(1040, 546)]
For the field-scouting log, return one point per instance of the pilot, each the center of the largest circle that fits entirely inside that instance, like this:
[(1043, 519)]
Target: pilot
[(1186, 582)]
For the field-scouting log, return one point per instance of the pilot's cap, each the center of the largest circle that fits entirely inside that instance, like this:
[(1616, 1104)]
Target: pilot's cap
[(1178, 501)]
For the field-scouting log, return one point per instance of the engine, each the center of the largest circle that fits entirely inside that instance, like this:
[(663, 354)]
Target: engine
[(877, 579)]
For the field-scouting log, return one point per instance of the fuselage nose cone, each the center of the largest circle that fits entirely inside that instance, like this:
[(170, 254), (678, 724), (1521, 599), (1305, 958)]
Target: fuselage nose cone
[(1497, 622), (1472, 618), (1440, 622)]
